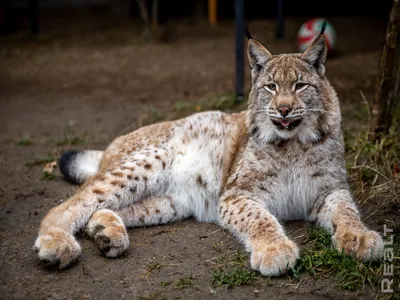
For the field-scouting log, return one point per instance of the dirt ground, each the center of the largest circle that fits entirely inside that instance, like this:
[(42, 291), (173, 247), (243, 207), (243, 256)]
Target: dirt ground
[(80, 84)]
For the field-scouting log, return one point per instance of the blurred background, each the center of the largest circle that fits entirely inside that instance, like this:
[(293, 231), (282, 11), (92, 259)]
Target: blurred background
[(77, 73), (163, 54), (88, 60)]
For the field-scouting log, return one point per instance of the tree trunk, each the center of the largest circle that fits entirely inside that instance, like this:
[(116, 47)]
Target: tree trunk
[(396, 92), (384, 101)]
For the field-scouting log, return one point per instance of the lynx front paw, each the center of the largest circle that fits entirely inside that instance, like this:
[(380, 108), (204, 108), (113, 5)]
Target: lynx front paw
[(109, 232), (56, 246), (362, 243), (274, 259)]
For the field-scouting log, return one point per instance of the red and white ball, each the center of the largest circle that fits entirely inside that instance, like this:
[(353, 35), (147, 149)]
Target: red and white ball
[(311, 29)]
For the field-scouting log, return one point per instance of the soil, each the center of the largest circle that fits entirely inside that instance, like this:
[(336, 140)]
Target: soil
[(88, 78)]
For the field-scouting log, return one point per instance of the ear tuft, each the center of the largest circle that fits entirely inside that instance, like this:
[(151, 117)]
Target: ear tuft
[(257, 54), (323, 27), (316, 53), (247, 33)]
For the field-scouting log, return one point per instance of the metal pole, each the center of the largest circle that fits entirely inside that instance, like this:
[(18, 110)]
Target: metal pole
[(212, 12), (239, 24), (280, 21)]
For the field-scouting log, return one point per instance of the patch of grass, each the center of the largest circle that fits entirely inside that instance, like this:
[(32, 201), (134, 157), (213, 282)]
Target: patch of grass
[(24, 142), (165, 283), (155, 114), (396, 249), (69, 138), (183, 282), (232, 269), (48, 176), (231, 259), (184, 106), (239, 258), (151, 296), (325, 261), (151, 115), (225, 102), (348, 273), (320, 237), (374, 166), (393, 296), (239, 276), (69, 141), (151, 267), (41, 161)]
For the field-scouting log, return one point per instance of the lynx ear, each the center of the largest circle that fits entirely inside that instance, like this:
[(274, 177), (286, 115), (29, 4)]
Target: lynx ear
[(257, 54), (316, 53)]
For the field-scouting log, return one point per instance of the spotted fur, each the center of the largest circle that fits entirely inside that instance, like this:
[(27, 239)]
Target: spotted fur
[(281, 159)]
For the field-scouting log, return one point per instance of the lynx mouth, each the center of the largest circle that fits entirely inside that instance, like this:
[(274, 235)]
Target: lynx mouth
[(286, 124)]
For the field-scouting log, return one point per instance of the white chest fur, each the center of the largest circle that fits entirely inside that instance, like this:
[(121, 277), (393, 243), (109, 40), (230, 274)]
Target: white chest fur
[(292, 195), (195, 175)]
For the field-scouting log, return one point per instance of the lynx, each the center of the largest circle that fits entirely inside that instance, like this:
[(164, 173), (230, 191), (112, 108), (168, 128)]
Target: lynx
[(281, 159)]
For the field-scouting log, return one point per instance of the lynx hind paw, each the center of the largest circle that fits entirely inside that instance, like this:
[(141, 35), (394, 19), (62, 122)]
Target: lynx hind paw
[(57, 246), (274, 259), (361, 243), (109, 233)]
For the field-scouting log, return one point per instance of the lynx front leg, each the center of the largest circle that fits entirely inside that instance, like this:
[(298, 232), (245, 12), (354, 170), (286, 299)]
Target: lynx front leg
[(108, 230), (272, 253), (154, 211), (134, 179), (339, 215)]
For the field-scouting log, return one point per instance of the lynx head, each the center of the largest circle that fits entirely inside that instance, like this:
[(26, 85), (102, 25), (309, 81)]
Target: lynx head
[(290, 96)]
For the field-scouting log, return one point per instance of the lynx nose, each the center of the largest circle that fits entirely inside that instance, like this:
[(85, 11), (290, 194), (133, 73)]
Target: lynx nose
[(284, 109)]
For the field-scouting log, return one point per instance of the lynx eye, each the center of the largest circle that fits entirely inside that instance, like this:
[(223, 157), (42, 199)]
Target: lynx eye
[(271, 87), (299, 86)]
